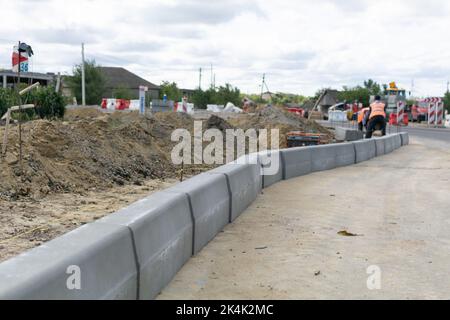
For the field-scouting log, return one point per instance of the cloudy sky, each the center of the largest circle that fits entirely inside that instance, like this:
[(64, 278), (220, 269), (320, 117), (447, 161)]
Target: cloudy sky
[(301, 45)]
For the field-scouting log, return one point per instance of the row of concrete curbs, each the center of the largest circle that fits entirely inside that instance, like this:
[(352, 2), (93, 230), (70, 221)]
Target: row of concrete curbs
[(135, 252)]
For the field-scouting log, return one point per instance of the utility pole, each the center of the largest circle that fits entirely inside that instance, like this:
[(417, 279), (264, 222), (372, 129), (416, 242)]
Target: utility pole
[(448, 86), (83, 77), (200, 79), (263, 84), (212, 77)]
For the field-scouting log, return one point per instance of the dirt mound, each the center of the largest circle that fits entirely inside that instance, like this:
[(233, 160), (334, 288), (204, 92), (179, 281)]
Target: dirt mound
[(274, 117), (91, 151)]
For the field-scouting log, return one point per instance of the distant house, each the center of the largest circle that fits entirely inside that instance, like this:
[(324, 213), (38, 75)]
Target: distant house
[(326, 100), (8, 78), (267, 96), (120, 78), (308, 105)]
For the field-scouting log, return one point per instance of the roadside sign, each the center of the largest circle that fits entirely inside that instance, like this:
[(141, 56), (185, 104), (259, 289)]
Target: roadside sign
[(142, 91)]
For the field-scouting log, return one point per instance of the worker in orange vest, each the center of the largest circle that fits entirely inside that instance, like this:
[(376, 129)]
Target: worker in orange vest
[(362, 117), (377, 117)]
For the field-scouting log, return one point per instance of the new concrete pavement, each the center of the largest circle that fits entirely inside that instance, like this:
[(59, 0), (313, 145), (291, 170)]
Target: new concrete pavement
[(287, 245)]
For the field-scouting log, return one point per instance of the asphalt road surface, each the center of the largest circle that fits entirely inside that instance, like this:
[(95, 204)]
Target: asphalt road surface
[(295, 241)]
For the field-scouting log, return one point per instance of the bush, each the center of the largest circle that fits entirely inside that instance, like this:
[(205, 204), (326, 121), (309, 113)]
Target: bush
[(49, 104)]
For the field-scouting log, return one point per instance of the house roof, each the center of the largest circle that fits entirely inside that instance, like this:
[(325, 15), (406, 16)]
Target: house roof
[(328, 98), (34, 75), (120, 77)]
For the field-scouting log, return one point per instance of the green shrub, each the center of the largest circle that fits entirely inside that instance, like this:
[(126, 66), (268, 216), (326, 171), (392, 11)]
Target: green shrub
[(48, 103)]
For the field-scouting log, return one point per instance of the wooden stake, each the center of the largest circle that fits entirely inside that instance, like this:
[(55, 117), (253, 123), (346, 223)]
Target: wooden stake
[(5, 136)]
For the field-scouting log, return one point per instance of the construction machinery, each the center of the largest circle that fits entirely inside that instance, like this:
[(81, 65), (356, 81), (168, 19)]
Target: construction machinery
[(393, 96)]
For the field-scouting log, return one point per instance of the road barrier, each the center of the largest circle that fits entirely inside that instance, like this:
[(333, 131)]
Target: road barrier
[(323, 158), (297, 162), (244, 183), (162, 229), (365, 150), (397, 141), (134, 253), (405, 138), (272, 167), (209, 199), (389, 145), (345, 154), (96, 261), (380, 145)]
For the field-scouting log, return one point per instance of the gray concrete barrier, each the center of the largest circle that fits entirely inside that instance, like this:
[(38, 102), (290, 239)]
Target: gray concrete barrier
[(365, 150), (380, 146), (397, 141), (345, 154), (323, 158), (272, 164), (244, 181), (297, 162), (210, 204), (388, 144), (346, 134), (96, 261), (162, 229), (405, 138)]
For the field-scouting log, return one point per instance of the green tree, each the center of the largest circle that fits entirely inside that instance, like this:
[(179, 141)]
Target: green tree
[(226, 94), (447, 101), (123, 92), (202, 98), (95, 83), (357, 93), (171, 90), (373, 87)]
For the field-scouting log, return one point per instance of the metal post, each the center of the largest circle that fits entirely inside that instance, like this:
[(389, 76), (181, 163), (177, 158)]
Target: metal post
[(20, 111), (83, 77), (5, 80)]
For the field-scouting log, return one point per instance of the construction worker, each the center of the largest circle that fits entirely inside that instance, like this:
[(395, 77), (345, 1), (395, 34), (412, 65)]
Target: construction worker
[(362, 118), (377, 117)]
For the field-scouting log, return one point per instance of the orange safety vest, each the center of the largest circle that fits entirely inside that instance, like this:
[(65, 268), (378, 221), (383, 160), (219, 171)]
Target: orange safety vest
[(361, 114), (377, 109)]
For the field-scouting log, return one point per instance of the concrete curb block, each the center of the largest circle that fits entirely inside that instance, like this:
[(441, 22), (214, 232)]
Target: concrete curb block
[(163, 230), (245, 183), (298, 162), (365, 150), (209, 199), (345, 154), (323, 158), (380, 144), (346, 134), (388, 144), (136, 252), (405, 138), (397, 141), (272, 164), (100, 256)]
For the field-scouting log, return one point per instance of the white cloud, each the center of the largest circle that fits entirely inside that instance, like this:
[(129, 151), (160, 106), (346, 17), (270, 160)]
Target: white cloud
[(301, 45)]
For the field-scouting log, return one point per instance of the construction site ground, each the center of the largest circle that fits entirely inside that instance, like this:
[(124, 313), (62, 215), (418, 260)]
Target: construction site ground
[(92, 163), (323, 235)]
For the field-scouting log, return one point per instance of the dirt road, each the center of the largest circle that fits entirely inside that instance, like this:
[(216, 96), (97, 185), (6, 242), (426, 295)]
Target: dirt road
[(287, 245)]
